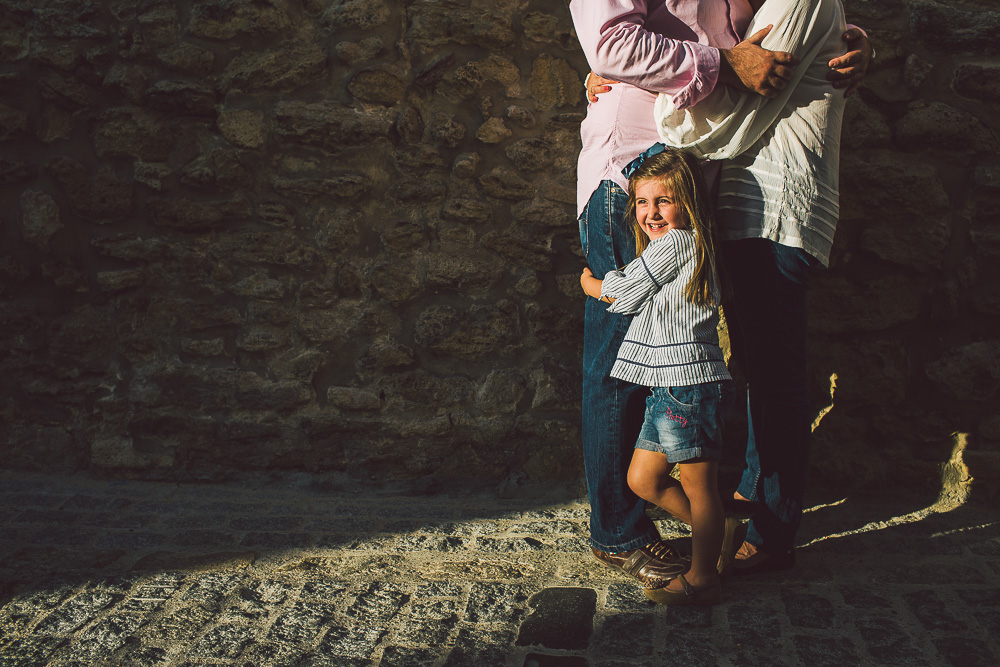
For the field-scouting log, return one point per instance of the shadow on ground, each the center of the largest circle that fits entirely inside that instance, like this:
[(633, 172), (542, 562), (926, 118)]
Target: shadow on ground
[(98, 572)]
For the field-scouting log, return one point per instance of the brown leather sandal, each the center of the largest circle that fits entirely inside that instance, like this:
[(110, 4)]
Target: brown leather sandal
[(711, 594)]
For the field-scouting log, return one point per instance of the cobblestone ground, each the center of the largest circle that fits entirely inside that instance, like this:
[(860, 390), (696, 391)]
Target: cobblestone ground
[(136, 573)]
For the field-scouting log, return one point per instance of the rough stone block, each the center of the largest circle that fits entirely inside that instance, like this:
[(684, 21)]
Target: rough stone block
[(119, 281), (944, 127), (103, 639), (874, 9), (222, 642), (967, 29), (921, 244), (181, 98), (330, 126), (187, 58), (881, 190), (871, 371), (190, 215), (838, 306), (480, 331), (39, 218), (377, 86), (286, 67), (14, 172), (226, 19), (886, 641), (625, 637), (434, 25), (980, 82), (349, 646), (493, 131), (476, 646), (361, 51), (554, 83), (76, 612), (530, 154), (13, 122), (344, 186), (112, 453), (100, 197), (362, 14), (131, 131), (969, 373), (808, 611), (825, 651)]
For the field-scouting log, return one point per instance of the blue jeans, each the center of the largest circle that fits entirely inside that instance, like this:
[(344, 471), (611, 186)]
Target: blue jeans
[(685, 423), (612, 409), (767, 330)]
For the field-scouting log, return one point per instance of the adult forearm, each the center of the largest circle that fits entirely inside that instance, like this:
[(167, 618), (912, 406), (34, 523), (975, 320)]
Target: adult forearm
[(619, 47)]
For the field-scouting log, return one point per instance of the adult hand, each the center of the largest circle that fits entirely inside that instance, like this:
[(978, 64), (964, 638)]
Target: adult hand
[(848, 71), (753, 67), (597, 84)]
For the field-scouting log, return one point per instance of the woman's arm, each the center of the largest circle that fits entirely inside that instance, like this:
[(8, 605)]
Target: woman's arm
[(848, 71)]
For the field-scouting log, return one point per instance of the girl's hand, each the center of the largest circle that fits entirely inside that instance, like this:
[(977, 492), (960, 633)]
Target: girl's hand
[(592, 286), (597, 85)]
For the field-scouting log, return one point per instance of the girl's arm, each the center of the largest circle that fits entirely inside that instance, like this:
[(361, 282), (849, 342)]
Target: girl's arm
[(630, 288), (592, 286)]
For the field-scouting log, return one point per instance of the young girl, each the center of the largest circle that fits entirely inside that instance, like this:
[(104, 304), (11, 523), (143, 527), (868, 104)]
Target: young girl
[(672, 346)]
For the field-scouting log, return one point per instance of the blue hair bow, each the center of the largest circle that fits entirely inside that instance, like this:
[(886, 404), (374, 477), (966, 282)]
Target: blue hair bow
[(634, 165)]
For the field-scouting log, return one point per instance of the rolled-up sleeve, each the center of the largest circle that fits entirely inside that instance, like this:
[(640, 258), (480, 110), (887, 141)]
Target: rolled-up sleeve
[(636, 284), (618, 47)]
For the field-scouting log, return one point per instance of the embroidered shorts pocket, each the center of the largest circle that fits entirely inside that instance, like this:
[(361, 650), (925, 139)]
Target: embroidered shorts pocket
[(684, 422)]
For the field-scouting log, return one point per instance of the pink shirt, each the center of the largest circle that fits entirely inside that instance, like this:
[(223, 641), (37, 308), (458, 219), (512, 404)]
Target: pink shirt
[(651, 46)]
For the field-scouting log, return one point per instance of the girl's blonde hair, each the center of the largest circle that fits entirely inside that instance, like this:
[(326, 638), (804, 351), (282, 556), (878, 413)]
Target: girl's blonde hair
[(680, 172)]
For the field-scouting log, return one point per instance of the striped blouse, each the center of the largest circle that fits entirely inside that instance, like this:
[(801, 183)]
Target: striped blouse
[(671, 342)]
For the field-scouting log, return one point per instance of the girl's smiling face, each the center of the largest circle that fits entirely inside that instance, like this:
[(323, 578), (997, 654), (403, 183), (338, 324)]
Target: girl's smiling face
[(655, 208)]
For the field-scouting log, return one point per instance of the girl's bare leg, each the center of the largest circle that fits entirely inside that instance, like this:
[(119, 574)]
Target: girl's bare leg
[(699, 480), (649, 478)]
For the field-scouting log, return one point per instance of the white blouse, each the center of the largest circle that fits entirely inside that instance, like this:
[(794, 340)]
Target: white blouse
[(781, 176)]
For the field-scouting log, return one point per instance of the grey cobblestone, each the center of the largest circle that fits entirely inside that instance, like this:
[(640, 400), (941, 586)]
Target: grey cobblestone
[(826, 651), (452, 582)]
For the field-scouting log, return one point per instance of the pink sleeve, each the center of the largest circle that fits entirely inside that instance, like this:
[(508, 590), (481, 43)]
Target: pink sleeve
[(618, 47)]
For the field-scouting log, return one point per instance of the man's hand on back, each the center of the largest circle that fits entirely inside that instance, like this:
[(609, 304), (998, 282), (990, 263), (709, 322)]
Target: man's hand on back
[(848, 71), (750, 66)]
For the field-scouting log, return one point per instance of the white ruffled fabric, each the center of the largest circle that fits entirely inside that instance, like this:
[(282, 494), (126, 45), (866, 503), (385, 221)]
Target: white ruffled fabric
[(781, 177)]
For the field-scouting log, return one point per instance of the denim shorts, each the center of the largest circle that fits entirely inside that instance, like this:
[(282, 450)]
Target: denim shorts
[(686, 422)]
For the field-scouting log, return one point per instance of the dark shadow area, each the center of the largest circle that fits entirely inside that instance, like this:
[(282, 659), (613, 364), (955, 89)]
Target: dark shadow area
[(878, 580)]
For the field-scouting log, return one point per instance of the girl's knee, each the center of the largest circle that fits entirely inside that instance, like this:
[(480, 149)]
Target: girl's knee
[(648, 474), (701, 477), (640, 483)]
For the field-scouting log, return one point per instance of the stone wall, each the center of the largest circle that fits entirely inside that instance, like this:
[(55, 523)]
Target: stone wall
[(338, 236)]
